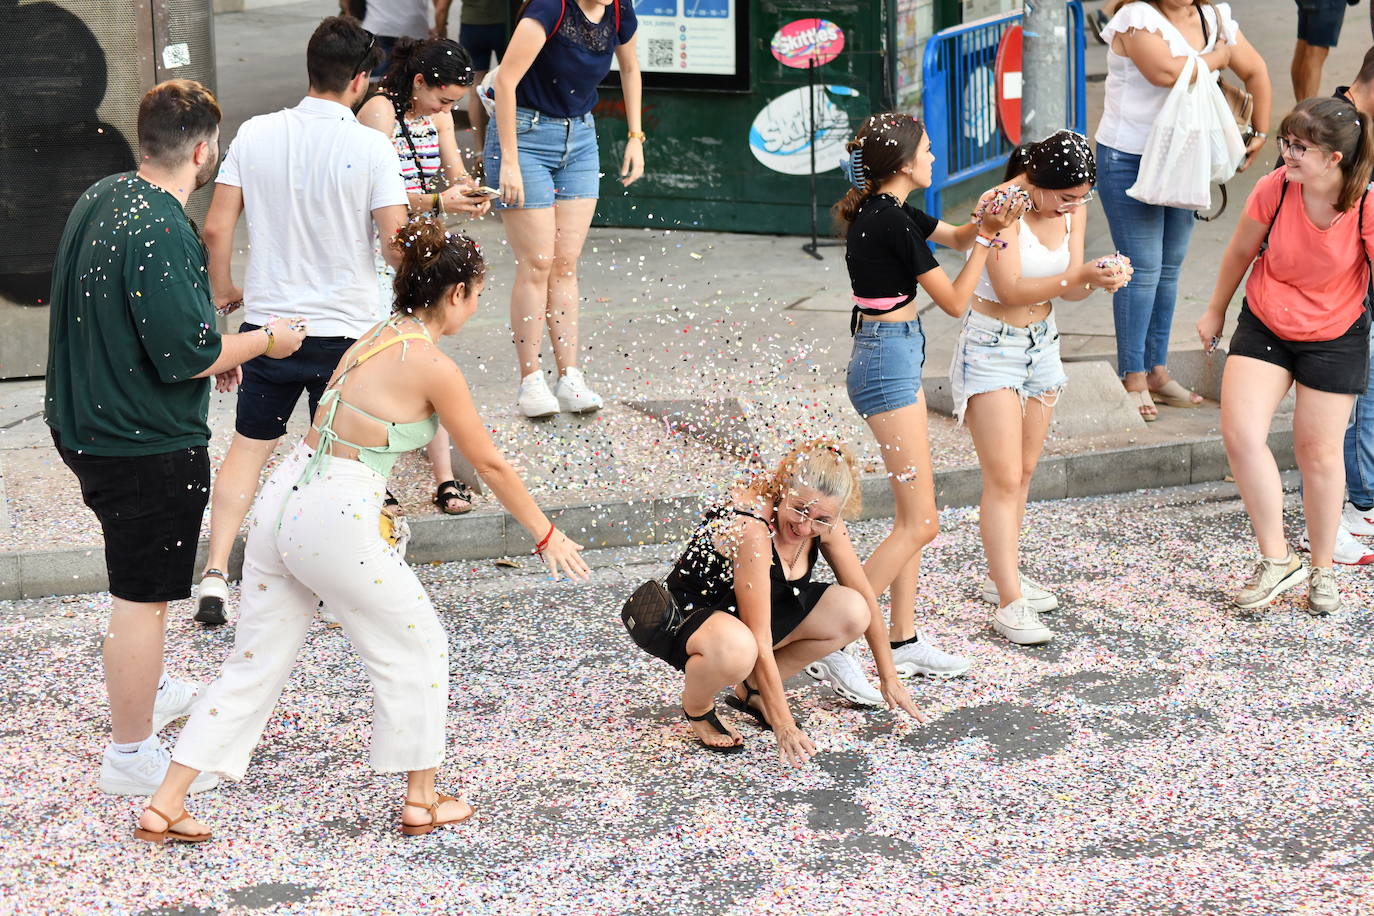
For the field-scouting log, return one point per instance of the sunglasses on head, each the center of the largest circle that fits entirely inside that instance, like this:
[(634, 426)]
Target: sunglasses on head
[(371, 43)]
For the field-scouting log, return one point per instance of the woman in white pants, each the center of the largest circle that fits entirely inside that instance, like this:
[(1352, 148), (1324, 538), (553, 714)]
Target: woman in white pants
[(315, 533)]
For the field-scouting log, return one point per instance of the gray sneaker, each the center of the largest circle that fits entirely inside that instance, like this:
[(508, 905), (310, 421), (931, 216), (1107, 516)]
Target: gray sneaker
[(1270, 579), (1322, 595)]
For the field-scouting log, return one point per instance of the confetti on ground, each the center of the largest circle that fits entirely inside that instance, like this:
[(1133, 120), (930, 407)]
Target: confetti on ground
[(1164, 754)]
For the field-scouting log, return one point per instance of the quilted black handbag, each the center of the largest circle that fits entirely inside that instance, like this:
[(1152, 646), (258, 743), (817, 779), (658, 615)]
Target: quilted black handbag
[(653, 618)]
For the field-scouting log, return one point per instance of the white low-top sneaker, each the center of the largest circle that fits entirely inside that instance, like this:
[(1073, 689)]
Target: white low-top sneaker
[(535, 399), (922, 657), (573, 394), (141, 772), (1021, 625), (1357, 521), (174, 700), (1040, 600), (841, 670), (1349, 551)]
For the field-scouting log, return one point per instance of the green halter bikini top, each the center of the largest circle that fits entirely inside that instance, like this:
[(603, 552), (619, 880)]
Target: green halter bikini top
[(400, 437)]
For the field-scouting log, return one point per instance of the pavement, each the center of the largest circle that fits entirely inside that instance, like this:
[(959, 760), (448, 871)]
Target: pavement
[(1165, 754), (672, 315)]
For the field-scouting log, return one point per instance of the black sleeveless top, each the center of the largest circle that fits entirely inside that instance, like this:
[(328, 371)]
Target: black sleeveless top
[(705, 579)]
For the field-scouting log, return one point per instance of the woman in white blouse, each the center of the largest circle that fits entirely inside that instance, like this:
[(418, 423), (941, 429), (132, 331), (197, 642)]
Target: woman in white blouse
[(1148, 43)]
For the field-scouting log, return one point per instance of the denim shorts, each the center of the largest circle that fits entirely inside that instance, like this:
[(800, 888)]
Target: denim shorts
[(885, 367), (991, 355), (271, 388), (1320, 21), (558, 158)]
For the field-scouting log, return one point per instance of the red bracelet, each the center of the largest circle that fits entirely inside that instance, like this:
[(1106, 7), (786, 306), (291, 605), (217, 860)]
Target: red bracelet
[(539, 548)]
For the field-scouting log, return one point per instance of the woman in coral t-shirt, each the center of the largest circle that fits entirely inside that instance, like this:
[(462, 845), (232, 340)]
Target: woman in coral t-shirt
[(1309, 238)]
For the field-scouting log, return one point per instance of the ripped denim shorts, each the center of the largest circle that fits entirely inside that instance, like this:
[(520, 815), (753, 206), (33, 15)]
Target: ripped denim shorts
[(991, 354)]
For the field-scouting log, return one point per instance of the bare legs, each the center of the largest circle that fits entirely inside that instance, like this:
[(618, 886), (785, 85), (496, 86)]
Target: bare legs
[(1306, 69), (1009, 441), (902, 435), (1251, 390), (133, 665), (547, 244), (235, 485)]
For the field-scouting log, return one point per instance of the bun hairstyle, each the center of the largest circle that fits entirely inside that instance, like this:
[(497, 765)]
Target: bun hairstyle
[(884, 144), (441, 61), (433, 261), (1336, 125), (824, 465), (1062, 160)]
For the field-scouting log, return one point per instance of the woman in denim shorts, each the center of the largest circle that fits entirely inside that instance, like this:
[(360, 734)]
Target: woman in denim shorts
[(888, 256), (1006, 375), (541, 147)]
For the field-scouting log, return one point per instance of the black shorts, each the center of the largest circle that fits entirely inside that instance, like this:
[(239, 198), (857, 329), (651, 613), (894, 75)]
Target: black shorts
[(150, 508), (1320, 21), (1339, 366), (271, 388), (788, 614), (482, 41)]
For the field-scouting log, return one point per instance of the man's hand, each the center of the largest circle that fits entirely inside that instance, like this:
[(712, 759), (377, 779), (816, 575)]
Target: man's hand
[(226, 382)]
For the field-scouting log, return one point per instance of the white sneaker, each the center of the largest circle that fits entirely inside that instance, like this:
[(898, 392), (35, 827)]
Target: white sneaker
[(573, 394), (1040, 600), (1021, 625), (922, 657), (1357, 521), (1348, 552), (846, 678), (212, 605), (142, 772), (174, 700), (535, 399)]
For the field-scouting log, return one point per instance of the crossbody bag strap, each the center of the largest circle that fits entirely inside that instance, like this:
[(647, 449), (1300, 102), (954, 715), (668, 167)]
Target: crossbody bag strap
[(414, 153), (1283, 195)]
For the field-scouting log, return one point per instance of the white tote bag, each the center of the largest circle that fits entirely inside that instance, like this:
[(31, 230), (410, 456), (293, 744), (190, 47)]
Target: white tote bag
[(1194, 142)]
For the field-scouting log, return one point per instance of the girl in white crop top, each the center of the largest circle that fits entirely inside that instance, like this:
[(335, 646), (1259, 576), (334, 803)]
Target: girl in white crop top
[(1006, 374)]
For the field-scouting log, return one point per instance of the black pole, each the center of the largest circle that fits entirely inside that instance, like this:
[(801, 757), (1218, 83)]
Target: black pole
[(813, 247)]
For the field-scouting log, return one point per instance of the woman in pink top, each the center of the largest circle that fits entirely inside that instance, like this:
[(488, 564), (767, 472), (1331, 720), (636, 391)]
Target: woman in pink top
[(1307, 234)]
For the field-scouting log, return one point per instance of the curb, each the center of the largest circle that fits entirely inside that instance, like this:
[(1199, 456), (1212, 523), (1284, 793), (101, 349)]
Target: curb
[(625, 523)]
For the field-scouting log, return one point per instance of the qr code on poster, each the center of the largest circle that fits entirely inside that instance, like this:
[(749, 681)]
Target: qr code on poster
[(660, 52)]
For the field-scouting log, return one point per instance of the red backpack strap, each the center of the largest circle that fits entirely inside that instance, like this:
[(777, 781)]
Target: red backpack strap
[(562, 11), (617, 20)]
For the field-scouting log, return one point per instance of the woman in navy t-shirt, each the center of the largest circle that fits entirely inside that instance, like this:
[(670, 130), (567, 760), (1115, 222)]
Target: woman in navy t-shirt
[(541, 148)]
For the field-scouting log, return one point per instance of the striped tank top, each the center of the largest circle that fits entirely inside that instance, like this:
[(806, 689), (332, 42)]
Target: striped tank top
[(425, 136)]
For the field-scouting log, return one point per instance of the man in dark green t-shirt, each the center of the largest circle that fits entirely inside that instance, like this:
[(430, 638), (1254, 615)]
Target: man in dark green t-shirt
[(132, 345)]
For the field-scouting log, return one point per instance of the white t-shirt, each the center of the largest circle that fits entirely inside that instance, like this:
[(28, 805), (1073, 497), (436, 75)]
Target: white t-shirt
[(1132, 102), (311, 177), (400, 18)]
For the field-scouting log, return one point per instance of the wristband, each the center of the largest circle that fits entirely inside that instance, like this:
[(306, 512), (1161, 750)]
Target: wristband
[(539, 548), (638, 135), (271, 339), (989, 241)]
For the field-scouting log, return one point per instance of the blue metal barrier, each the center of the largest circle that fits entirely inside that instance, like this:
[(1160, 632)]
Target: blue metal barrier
[(960, 98)]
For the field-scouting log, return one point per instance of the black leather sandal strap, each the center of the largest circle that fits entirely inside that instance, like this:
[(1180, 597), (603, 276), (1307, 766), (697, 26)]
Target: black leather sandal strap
[(710, 718)]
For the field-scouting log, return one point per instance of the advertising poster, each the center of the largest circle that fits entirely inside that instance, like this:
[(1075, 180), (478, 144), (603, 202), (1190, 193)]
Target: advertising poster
[(692, 38)]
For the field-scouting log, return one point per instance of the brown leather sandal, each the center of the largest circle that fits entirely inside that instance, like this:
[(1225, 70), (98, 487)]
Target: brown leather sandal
[(167, 833), (422, 829)]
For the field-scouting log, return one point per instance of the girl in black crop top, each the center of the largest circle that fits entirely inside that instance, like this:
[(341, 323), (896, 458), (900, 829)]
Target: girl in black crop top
[(888, 257), (753, 616)]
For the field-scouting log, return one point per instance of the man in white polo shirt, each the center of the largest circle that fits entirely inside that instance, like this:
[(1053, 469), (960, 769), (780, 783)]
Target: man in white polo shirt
[(312, 183)]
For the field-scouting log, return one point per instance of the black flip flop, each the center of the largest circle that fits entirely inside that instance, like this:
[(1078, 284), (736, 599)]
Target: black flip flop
[(734, 702), (710, 718)]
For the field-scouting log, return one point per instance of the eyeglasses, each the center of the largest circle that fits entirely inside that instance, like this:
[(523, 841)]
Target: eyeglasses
[(1075, 203), (1292, 149), (801, 516), (371, 43)]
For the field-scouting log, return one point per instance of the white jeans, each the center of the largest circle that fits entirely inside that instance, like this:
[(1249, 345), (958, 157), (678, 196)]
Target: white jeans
[(327, 545)]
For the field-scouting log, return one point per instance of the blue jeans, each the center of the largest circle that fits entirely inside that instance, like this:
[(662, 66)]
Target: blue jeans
[(1156, 241), (1359, 445)]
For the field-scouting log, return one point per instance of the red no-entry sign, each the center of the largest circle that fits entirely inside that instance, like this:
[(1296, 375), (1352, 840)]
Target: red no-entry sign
[(1007, 72)]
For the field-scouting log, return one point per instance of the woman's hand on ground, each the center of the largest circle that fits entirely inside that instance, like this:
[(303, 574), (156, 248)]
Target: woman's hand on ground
[(512, 184), (898, 697), (1209, 329), (793, 746), (632, 168), (563, 554)]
